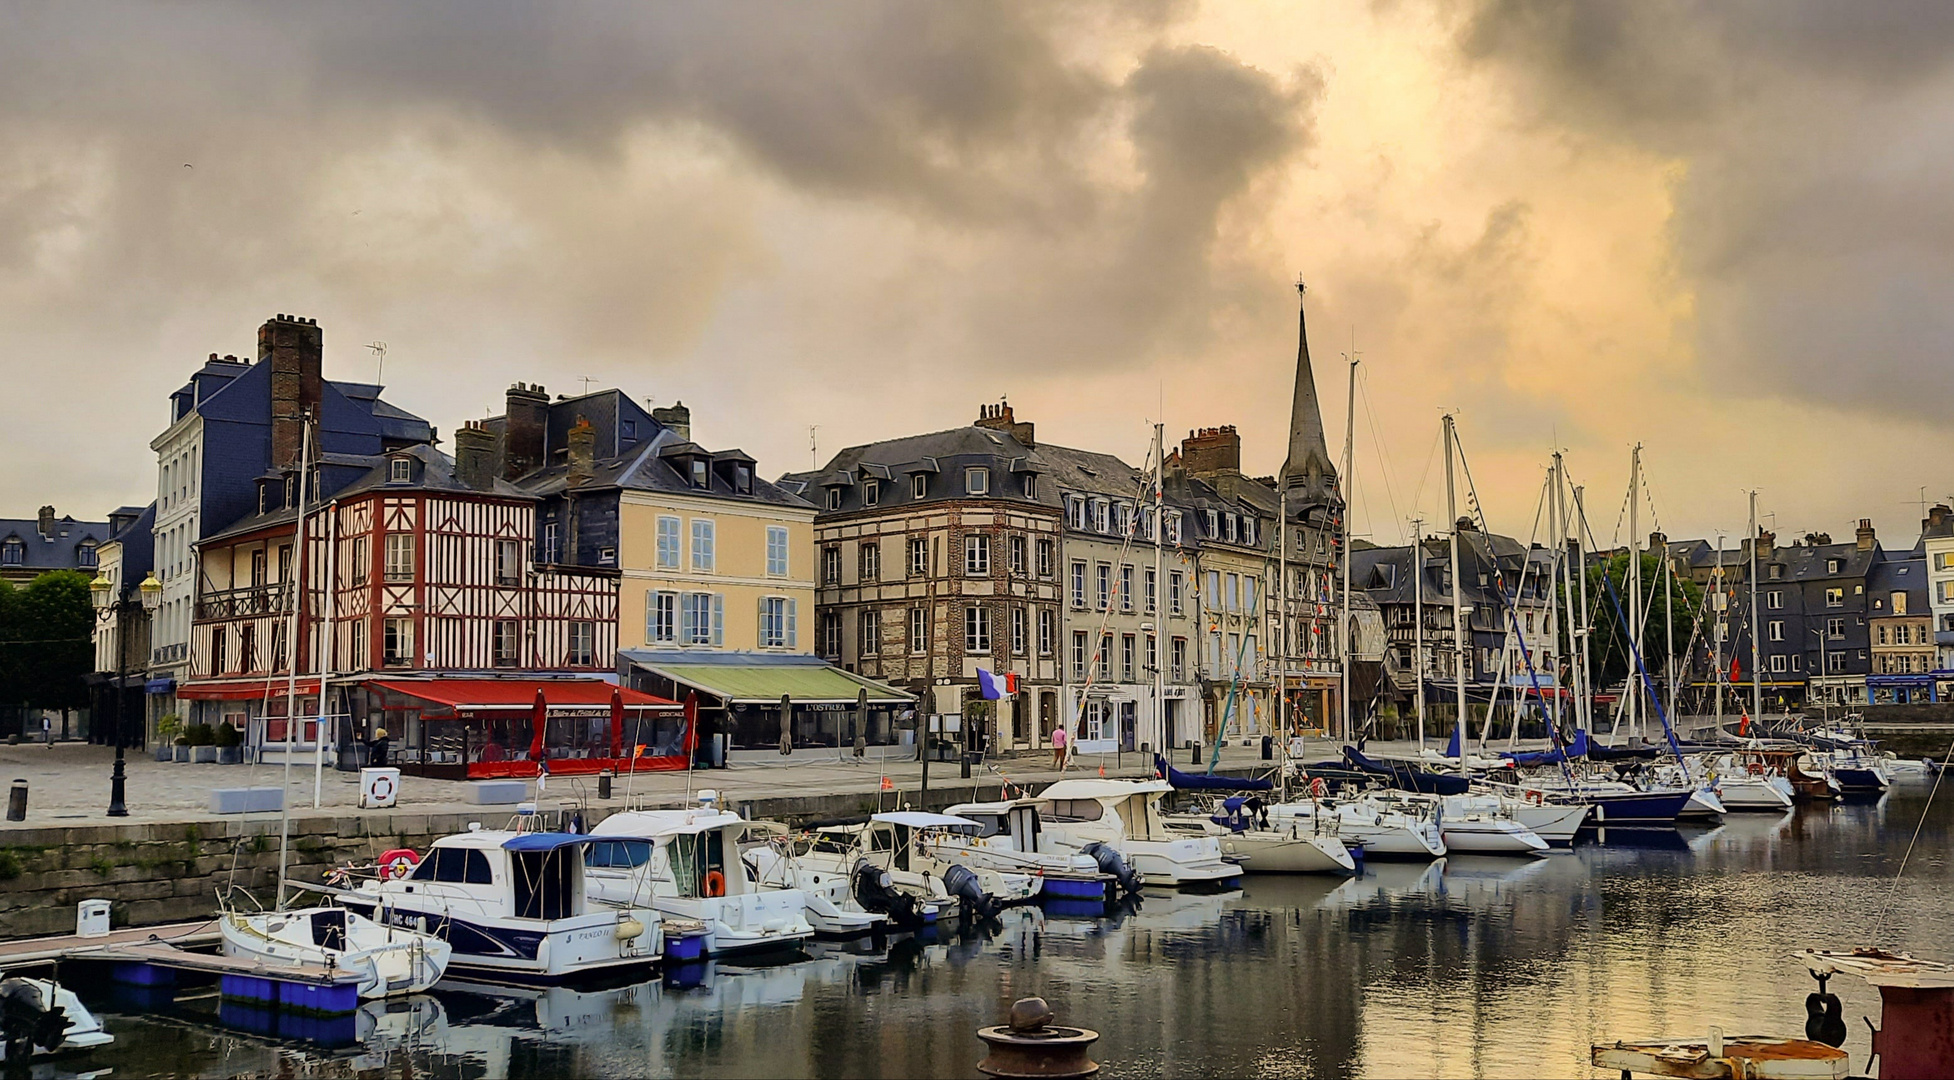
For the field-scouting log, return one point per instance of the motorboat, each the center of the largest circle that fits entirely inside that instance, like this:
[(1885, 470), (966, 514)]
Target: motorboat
[(1010, 838), (831, 907), (1125, 815), (1852, 770), (1381, 823), (686, 864), (515, 905), (1251, 836), (391, 960), (894, 852), (46, 1019)]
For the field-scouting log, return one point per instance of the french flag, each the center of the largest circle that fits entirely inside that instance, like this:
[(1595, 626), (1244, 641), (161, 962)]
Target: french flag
[(997, 686)]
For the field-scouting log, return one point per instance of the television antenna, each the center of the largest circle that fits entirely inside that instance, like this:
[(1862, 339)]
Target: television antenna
[(379, 351)]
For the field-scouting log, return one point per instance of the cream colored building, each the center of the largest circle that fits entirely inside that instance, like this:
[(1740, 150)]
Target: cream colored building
[(715, 574)]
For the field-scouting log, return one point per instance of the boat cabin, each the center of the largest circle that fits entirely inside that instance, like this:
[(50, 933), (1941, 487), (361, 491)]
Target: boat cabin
[(695, 853), (517, 875), (1128, 809), (1015, 820), (890, 839)]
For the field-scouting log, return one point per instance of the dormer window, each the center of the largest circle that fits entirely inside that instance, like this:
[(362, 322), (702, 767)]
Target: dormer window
[(871, 492), (1214, 524), (834, 498), (1831, 566), (743, 479), (85, 555), (701, 476), (977, 481), (398, 470), (1777, 571), (920, 485), (13, 552), (1031, 485)]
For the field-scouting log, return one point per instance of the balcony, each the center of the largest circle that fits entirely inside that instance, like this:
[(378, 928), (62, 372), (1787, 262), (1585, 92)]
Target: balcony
[(245, 603)]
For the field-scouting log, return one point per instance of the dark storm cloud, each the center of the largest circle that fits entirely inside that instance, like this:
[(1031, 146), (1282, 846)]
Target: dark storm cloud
[(1811, 213)]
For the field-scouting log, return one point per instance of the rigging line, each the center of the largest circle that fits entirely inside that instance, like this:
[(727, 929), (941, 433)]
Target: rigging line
[(1430, 456), (1102, 640), (1499, 584), (1887, 906), (1383, 457)]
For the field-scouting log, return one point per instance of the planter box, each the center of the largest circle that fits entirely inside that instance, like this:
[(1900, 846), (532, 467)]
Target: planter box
[(180, 753), (166, 753), (205, 755), (230, 755)]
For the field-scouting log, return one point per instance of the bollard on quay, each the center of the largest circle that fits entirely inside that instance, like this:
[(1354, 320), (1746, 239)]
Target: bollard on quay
[(17, 801), (604, 783), (1030, 1045)]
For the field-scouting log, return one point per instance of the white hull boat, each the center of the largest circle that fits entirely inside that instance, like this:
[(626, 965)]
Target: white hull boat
[(1383, 827), (828, 897), (1769, 794), (686, 865), (1288, 851), (1011, 840), (1479, 824), (390, 960), (82, 1031), (1125, 815), (1554, 823)]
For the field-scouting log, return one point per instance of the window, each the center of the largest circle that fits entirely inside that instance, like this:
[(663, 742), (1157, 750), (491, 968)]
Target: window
[(702, 545), (1774, 599), (1016, 546), (871, 561), (1126, 587), (1078, 654), (1044, 558), (1899, 603), (871, 492), (85, 555), (701, 476), (1123, 519), (278, 631), (1835, 598), (1103, 579), (977, 481), (1214, 654), (1776, 627), (1047, 632), (397, 647), (356, 644), (1777, 662), (919, 485), (1101, 519), (976, 629), (1075, 512), (834, 498), (976, 555), (871, 633), (1020, 632), (661, 617), (1944, 560), (217, 649), (13, 553), (777, 620), (1214, 523), (1248, 531), (1174, 590), (776, 551), (1211, 600), (1127, 648), (550, 549), (400, 556), (1031, 485), (919, 557), (258, 569), (1777, 571), (1248, 598), (1177, 659), (506, 649), (360, 560), (831, 634), (583, 644), (1078, 583), (247, 648), (1831, 566), (284, 562), (1152, 589), (1232, 594), (508, 562), (1103, 661), (668, 543), (918, 630), (702, 619), (1234, 529), (398, 470), (1174, 527), (1835, 662)]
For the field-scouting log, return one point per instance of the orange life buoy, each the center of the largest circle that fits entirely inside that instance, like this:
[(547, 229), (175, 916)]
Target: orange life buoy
[(715, 883), (1535, 798), (1318, 787), (1755, 768), (398, 863)]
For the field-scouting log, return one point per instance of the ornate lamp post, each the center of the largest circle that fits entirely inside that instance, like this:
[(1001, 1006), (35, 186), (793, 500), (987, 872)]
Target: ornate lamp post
[(117, 609)]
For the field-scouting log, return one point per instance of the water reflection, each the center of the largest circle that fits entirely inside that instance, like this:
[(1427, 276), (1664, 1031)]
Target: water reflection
[(1466, 967)]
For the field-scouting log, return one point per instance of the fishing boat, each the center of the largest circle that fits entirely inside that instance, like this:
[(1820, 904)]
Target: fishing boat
[(831, 907), (390, 960), (515, 905), (1009, 839), (686, 864), (1382, 824), (1125, 815), (1250, 836), (46, 1020)]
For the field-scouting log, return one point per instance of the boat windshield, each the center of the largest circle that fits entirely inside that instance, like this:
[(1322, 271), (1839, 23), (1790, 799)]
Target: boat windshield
[(546, 882), (619, 854), (1075, 810), (694, 855)]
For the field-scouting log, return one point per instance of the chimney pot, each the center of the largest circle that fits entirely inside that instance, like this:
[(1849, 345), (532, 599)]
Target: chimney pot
[(525, 429)]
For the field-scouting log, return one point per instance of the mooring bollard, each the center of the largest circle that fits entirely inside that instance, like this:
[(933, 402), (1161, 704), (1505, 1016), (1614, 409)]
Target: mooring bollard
[(1031, 1045), (17, 801), (603, 783)]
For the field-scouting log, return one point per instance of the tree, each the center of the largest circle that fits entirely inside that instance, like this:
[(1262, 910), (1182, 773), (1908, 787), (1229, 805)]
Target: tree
[(46, 639), (1609, 644)]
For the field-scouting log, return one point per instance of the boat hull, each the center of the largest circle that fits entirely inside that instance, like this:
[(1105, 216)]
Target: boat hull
[(1280, 853), (1491, 836), (533, 952), (1755, 795), (390, 968), (1634, 807), (1555, 824)]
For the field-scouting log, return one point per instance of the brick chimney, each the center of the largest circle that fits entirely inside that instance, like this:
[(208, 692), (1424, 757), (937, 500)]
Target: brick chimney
[(45, 522), (999, 417), (1212, 452), (475, 456), (583, 452), (1864, 538), (1936, 517), (294, 348), (525, 427), (676, 418), (1658, 542)]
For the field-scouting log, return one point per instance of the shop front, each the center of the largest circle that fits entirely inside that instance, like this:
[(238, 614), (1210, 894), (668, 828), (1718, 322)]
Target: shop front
[(474, 729), (748, 701)]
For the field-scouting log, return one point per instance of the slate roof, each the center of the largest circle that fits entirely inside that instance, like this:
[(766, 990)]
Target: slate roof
[(1899, 572), (653, 465), (433, 471), (62, 551), (943, 454)]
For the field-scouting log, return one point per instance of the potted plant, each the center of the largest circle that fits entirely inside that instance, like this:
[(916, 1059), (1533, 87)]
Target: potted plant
[(230, 749), (203, 744), (180, 746), (168, 727)]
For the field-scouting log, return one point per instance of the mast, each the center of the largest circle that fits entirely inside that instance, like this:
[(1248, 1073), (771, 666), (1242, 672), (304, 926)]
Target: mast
[(1458, 584), (329, 594), (1159, 590), (1669, 629), (1632, 686), (1756, 678), (292, 656), (1716, 640), (1418, 621), (1287, 609), (1349, 489), (1585, 714), (1565, 613)]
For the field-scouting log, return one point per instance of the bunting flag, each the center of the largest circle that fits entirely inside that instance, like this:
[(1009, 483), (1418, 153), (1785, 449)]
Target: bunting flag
[(1734, 676)]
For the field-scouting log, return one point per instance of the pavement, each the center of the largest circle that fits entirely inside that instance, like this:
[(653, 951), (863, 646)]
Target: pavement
[(68, 783)]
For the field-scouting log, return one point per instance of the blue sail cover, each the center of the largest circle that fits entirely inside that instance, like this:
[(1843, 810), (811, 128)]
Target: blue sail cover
[(1578, 748), (1208, 781), (1408, 776)]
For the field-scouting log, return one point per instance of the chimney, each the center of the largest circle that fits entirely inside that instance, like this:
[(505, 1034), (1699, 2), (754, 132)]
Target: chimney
[(676, 419), (999, 417), (1864, 538), (1658, 542), (1465, 525), (46, 522), (294, 348), (583, 452), (475, 456), (1767, 545), (1211, 452), (525, 425), (1936, 517)]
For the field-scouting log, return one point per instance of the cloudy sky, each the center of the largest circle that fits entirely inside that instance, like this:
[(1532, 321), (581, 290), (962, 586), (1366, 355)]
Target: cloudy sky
[(1721, 229)]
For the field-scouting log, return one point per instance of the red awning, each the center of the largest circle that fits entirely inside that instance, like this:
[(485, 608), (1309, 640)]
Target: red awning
[(516, 695), (256, 690)]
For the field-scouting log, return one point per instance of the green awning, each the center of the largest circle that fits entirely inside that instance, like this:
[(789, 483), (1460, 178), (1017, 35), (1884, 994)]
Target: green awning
[(763, 684)]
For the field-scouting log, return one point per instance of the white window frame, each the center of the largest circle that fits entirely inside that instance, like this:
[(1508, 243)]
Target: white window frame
[(871, 492), (399, 557), (1020, 631), (918, 630), (705, 556), (977, 555), (777, 551), (668, 542), (1079, 585), (1047, 631), (919, 486), (661, 617), (976, 480), (868, 560), (919, 556), (976, 629)]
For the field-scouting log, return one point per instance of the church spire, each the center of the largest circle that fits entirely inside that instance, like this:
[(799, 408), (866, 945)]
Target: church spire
[(1307, 472)]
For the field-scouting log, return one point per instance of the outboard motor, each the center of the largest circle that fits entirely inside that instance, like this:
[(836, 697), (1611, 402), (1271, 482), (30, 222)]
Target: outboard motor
[(961, 881), (875, 892), (1110, 863), (29, 1020)]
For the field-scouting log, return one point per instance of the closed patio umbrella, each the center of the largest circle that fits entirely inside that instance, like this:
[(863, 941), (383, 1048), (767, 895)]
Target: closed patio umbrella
[(617, 723), (538, 717)]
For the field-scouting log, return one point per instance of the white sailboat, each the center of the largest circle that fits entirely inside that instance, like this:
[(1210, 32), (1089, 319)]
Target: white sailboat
[(1380, 823)]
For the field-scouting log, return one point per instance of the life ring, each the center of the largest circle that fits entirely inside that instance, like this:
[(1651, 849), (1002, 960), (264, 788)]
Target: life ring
[(1535, 798), (398, 863), (715, 883), (1755, 768), (1318, 787)]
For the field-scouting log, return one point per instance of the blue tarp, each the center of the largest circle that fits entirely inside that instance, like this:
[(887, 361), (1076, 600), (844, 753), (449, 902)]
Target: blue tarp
[(1207, 781), (548, 841), (1408, 776)]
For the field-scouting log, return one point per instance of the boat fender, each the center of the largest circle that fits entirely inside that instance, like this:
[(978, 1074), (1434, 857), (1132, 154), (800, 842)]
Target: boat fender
[(1110, 862), (629, 929), (1318, 787), (960, 881), (1824, 1014), (398, 863), (28, 1019), (715, 883)]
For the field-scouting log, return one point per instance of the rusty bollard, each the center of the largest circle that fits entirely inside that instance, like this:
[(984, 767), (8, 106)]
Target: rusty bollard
[(1030, 1045)]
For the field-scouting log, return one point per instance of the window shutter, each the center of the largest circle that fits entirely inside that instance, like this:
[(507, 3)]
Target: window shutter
[(651, 615), (760, 625), (793, 632), (719, 618), (688, 620)]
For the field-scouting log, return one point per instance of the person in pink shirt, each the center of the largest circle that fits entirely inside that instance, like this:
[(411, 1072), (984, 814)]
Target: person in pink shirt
[(1058, 749)]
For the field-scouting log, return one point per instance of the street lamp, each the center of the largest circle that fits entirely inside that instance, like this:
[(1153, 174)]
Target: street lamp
[(116, 609)]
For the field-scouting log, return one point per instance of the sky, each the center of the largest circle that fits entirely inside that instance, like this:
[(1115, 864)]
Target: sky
[(1719, 229)]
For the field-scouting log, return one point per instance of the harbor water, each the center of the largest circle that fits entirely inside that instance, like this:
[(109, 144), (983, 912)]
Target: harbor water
[(1474, 966)]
